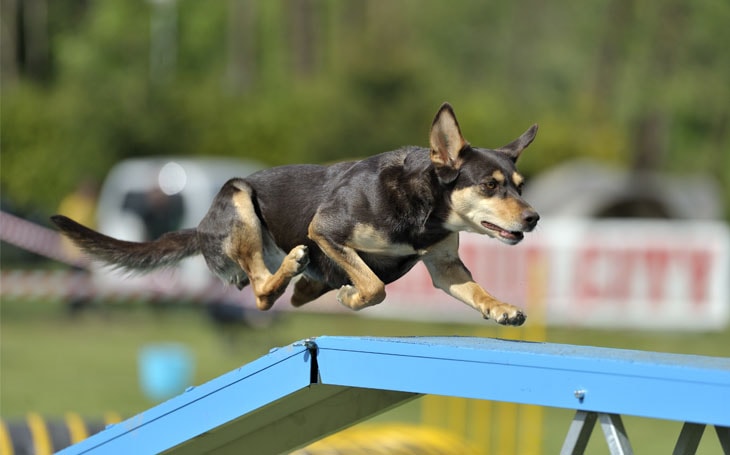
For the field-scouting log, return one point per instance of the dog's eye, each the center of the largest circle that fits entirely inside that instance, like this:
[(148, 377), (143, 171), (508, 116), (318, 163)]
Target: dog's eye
[(490, 185)]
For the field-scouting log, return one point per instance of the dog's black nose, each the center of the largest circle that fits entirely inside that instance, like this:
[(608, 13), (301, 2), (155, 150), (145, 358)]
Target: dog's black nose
[(530, 217)]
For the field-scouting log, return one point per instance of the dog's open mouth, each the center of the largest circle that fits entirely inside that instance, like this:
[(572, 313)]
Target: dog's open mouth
[(509, 236)]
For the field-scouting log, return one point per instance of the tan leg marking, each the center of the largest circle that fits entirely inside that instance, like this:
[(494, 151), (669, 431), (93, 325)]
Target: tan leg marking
[(449, 274), (366, 289), (246, 248)]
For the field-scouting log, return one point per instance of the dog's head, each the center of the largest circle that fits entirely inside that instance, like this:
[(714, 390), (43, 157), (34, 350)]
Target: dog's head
[(483, 184)]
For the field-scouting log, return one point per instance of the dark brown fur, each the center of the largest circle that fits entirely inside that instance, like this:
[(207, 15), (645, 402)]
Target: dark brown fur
[(353, 226)]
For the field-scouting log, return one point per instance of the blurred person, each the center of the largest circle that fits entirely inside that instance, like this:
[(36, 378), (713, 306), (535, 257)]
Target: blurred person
[(159, 212), (82, 203)]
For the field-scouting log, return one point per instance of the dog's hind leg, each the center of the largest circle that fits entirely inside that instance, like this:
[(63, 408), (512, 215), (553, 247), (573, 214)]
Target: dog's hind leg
[(366, 289), (245, 245), (306, 290)]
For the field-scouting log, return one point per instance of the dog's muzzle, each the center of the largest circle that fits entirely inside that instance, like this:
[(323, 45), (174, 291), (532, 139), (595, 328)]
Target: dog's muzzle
[(530, 219)]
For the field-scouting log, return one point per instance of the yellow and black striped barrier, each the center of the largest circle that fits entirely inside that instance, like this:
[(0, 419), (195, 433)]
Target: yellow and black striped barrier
[(37, 435)]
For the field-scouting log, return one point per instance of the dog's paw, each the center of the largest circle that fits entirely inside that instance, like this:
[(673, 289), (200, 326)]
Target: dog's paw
[(348, 296), (506, 315), (356, 299), (298, 258)]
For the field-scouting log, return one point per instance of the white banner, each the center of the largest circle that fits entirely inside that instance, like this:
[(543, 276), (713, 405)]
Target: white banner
[(612, 274)]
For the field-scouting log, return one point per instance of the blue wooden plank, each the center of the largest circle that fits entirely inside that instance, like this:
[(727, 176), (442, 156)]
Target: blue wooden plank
[(657, 385), (206, 407), (262, 395)]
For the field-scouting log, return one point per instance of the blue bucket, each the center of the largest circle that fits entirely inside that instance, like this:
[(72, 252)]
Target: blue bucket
[(165, 370)]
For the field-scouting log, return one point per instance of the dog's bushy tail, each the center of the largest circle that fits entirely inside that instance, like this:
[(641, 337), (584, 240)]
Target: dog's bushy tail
[(167, 250)]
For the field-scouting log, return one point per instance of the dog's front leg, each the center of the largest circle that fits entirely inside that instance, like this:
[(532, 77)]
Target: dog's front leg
[(450, 275), (366, 289)]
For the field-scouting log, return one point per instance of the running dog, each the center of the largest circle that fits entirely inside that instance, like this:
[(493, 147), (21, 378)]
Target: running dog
[(351, 226)]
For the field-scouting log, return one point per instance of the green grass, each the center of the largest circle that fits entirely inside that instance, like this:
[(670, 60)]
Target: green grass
[(51, 363)]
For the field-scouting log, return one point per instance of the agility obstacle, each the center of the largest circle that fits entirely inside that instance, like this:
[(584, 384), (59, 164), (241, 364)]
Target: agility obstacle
[(300, 393)]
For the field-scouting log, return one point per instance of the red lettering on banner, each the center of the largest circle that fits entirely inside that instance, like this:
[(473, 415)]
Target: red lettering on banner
[(606, 274), (657, 261), (614, 275), (621, 277), (585, 273), (700, 263), (501, 270)]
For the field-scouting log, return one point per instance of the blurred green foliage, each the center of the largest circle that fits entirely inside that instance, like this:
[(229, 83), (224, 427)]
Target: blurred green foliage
[(320, 80)]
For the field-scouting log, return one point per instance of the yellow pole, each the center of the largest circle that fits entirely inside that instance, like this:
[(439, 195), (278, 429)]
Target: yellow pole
[(506, 423), (432, 410), (531, 430), (481, 428), (39, 434), (111, 418), (516, 428), (6, 445), (76, 427), (457, 416)]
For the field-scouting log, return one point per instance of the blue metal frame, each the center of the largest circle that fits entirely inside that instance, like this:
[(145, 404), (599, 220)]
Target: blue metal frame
[(206, 407), (311, 388), (648, 384)]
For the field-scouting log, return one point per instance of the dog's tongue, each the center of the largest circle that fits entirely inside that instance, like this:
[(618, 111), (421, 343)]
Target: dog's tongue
[(509, 235)]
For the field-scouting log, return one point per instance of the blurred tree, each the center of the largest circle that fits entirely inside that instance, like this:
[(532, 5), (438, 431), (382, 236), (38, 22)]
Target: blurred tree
[(9, 23), (241, 65), (33, 47), (641, 84)]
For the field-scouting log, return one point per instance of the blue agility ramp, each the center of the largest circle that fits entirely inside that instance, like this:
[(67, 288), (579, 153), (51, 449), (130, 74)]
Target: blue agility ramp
[(312, 388)]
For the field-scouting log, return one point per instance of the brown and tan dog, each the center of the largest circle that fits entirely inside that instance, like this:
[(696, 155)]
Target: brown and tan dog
[(352, 226)]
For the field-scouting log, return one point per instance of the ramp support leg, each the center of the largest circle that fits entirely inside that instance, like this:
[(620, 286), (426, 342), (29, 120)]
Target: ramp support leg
[(723, 434), (582, 425), (689, 438), (580, 432)]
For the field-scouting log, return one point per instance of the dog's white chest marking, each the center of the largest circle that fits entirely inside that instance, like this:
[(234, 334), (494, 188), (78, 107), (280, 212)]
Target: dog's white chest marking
[(368, 239)]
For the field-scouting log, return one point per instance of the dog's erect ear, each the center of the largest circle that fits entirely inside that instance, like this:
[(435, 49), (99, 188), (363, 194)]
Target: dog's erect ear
[(446, 143), (514, 148)]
